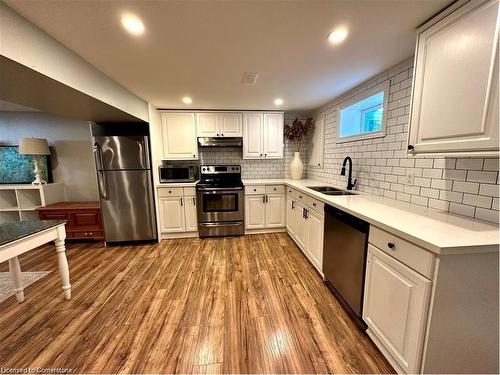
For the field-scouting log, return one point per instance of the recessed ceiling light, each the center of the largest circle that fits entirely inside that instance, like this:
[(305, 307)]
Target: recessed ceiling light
[(278, 101), (133, 24), (337, 36), (187, 100)]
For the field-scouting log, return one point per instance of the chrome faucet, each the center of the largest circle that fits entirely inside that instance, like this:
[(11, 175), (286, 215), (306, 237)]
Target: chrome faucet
[(350, 183)]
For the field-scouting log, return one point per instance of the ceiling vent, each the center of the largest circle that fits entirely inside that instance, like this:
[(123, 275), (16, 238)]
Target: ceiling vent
[(249, 78)]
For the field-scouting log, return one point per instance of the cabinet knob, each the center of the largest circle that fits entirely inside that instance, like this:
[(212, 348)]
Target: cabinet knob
[(254, 189), (314, 204), (194, 155), (222, 135), (391, 245), (319, 164), (411, 147), (274, 189), (260, 154), (300, 196), (170, 191), (265, 154)]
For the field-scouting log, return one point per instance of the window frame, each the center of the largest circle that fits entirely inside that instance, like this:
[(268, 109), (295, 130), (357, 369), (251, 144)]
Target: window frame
[(383, 87)]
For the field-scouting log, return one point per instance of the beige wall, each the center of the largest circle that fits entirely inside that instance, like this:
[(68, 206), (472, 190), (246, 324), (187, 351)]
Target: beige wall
[(72, 160)]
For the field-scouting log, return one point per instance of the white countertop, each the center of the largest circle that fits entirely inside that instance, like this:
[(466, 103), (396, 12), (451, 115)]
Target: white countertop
[(437, 231), (177, 184)]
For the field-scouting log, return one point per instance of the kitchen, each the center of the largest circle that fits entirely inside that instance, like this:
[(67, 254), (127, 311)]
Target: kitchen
[(282, 240)]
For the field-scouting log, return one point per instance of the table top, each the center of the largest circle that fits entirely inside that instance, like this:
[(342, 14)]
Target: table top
[(70, 206), (14, 230)]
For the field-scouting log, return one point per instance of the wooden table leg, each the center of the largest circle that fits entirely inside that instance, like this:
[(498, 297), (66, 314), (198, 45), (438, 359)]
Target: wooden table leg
[(17, 278), (63, 265)]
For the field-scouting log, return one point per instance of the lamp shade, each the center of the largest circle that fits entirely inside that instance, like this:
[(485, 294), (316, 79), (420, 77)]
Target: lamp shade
[(33, 146)]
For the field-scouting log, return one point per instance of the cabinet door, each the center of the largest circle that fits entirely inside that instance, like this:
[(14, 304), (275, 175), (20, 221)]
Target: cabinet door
[(275, 210), (395, 307), (315, 231), (207, 124), (290, 216), (190, 213), (255, 212), (179, 136), (300, 226), (316, 143), (273, 135), (231, 124), (252, 135), (172, 214), (455, 94)]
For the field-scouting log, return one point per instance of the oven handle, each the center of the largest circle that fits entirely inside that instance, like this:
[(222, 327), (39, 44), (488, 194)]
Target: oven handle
[(219, 189), (223, 224)]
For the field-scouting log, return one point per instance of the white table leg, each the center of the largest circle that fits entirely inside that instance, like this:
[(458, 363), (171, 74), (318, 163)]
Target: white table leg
[(17, 278), (63, 267)]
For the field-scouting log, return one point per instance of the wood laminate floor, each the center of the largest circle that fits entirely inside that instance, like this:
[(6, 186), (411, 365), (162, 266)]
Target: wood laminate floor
[(248, 304)]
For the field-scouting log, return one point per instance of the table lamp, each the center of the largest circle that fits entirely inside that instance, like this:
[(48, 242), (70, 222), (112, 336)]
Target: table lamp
[(35, 147)]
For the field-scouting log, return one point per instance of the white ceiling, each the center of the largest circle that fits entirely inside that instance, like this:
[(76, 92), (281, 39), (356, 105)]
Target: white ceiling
[(202, 48)]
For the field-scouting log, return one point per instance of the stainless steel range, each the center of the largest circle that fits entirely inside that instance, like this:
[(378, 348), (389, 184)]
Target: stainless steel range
[(220, 198)]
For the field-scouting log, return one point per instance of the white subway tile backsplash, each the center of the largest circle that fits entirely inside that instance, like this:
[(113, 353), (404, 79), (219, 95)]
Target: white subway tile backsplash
[(482, 176), (466, 187), (381, 165), (470, 164)]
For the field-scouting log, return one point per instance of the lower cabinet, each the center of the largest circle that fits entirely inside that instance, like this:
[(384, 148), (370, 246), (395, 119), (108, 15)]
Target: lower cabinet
[(395, 307), (177, 211), (262, 210), (306, 227)]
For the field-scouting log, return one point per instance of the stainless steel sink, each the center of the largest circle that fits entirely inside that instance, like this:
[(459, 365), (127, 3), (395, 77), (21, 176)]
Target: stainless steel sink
[(323, 189), (329, 190)]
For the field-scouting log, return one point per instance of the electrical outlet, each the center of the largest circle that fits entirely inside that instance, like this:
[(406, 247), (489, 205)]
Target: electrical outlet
[(410, 178)]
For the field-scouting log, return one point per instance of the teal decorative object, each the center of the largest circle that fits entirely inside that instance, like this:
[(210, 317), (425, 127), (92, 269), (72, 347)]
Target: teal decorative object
[(18, 169)]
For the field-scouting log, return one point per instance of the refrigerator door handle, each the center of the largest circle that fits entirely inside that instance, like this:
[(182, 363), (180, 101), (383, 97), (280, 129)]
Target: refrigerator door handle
[(101, 176), (97, 156)]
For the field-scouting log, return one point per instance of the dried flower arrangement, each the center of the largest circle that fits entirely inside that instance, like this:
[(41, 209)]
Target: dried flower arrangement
[(297, 131)]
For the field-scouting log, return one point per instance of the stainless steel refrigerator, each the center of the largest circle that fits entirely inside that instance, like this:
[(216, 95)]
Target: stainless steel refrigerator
[(125, 186)]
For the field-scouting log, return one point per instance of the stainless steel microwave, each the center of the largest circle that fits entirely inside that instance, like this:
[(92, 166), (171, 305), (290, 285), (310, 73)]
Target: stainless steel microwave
[(179, 172)]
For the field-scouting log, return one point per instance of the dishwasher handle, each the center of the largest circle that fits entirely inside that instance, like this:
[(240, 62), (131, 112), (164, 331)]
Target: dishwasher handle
[(348, 219)]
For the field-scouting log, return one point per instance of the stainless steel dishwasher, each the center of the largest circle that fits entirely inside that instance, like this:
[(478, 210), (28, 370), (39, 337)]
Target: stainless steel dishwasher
[(344, 259)]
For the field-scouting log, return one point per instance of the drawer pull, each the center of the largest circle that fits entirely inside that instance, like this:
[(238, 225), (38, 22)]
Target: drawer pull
[(391, 245), (300, 196), (170, 191), (274, 189), (314, 204), (254, 189)]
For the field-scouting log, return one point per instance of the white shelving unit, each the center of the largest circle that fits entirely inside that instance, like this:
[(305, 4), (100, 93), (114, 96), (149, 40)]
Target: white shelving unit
[(19, 202)]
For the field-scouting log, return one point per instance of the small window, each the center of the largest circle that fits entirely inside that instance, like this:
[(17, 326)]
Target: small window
[(363, 116)]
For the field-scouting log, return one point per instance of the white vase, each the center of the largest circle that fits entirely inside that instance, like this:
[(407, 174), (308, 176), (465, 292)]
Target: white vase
[(296, 167)]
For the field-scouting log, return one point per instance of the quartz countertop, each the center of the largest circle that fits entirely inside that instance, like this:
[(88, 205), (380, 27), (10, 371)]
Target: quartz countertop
[(11, 231), (437, 231)]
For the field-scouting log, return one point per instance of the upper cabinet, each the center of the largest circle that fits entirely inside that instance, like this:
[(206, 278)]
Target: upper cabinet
[(219, 124), (263, 135), (179, 135), (316, 144), (455, 90)]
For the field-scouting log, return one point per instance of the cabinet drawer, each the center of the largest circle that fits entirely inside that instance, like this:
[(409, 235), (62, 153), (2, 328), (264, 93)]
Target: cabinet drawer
[(88, 234), (188, 191), (301, 197), (292, 193), (315, 204), (412, 255), (50, 215), (170, 192), (274, 189), (255, 190)]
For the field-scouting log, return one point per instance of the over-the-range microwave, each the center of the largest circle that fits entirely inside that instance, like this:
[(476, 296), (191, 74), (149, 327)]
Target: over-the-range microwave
[(181, 171)]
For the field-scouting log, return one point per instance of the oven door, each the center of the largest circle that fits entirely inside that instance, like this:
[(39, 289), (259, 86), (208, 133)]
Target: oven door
[(216, 205)]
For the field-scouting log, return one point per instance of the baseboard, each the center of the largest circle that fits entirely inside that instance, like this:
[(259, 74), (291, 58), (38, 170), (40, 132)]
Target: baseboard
[(171, 236), (265, 230)]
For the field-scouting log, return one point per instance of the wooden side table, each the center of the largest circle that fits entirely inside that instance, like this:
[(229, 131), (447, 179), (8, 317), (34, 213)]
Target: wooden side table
[(83, 218)]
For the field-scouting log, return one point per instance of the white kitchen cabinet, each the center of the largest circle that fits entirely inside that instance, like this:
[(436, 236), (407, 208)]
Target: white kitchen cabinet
[(275, 211), (273, 135), (315, 230), (253, 128), (231, 124), (190, 213), (255, 211), (219, 124), (263, 135), (455, 91), (290, 216), (207, 124), (300, 226), (316, 144), (179, 136), (395, 308), (172, 214)]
